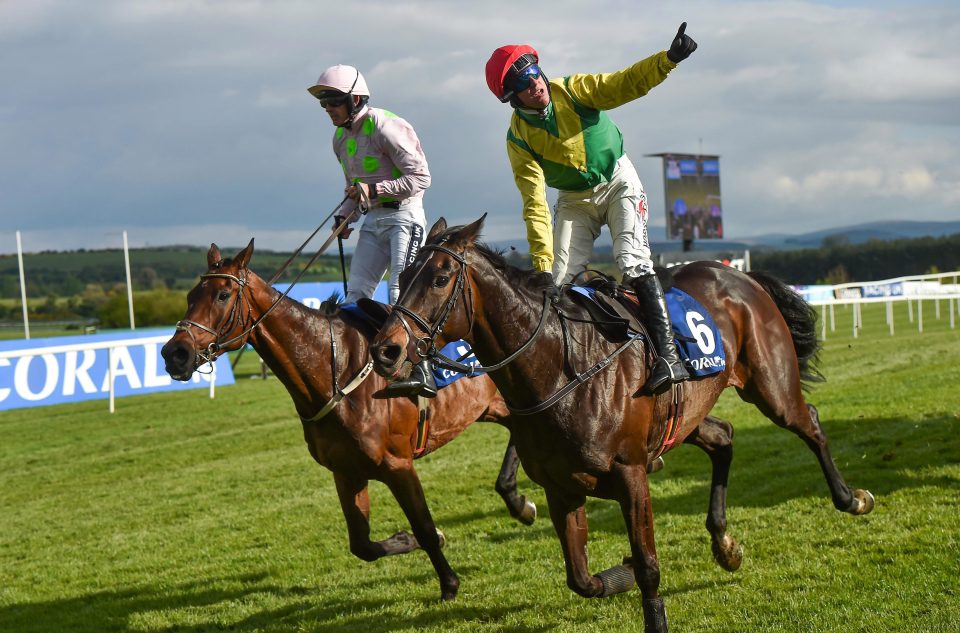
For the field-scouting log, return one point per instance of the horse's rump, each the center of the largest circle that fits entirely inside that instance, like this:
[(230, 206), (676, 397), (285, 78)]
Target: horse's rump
[(801, 319)]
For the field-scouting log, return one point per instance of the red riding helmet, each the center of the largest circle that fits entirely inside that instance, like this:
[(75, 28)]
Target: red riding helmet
[(514, 57)]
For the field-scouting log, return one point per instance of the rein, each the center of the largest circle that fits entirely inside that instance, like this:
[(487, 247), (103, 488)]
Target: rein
[(427, 348), (218, 345)]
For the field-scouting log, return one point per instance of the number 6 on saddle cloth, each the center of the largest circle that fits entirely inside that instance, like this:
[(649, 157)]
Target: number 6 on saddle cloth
[(696, 334)]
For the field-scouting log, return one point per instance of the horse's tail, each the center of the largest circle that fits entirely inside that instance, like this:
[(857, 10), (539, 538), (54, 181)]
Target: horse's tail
[(801, 318)]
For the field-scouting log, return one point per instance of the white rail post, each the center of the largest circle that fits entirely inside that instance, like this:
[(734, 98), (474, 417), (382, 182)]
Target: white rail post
[(126, 260), (213, 378), (890, 316), (110, 377), (23, 290)]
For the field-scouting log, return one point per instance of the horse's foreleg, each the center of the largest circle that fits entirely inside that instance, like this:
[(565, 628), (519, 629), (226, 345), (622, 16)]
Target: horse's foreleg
[(637, 511), (570, 521), (521, 508), (715, 437), (355, 503), (405, 486)]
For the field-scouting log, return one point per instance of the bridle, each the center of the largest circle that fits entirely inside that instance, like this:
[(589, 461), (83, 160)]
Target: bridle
[(426, 346), (229, 323)]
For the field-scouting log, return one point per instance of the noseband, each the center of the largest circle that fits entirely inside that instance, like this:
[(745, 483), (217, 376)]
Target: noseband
[(229, 323)]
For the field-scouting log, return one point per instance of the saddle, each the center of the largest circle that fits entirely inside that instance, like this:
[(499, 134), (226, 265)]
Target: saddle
[(368, 315), (614, 308)]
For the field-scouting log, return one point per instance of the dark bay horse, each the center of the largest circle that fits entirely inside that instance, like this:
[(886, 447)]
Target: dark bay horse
[(322, 358), (600, 438)]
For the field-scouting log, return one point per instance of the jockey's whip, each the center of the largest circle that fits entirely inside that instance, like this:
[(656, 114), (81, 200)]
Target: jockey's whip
[(279, 272), (343, 264)]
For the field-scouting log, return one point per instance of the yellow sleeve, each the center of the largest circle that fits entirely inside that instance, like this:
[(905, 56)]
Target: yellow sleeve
[(536, 214), (606, 91)]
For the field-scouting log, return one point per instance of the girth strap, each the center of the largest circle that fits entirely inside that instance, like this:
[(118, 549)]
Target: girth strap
[(341, 394)]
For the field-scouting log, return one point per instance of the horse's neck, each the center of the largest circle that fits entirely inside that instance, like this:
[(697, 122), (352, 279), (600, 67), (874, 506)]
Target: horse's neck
[(504, 329), (294, 342)]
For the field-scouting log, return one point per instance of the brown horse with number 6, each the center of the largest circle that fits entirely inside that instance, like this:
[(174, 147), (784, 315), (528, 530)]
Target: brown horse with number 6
[(601, 438)]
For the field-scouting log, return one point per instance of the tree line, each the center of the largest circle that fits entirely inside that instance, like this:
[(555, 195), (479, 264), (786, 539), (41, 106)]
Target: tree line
[(839, 262), (90, 286)]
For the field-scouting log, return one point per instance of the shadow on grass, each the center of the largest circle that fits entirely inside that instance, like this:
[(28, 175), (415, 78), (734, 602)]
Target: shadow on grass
[(772, 465), (306, 609)]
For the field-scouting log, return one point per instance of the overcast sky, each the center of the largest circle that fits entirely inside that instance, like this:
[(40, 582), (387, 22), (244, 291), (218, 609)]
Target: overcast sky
[(188, 122)]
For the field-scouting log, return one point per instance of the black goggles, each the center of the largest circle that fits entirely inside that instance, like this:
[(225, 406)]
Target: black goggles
[(333, 100)]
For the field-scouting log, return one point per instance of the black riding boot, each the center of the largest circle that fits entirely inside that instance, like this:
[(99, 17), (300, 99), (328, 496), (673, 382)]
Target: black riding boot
[(420, 382), (669, 368)]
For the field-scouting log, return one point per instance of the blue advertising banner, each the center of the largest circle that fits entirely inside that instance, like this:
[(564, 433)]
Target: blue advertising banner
[(39, 372), (314, 293)]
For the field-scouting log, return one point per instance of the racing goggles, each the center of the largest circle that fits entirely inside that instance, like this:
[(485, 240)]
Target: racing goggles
[(517, 83), (333, 99)]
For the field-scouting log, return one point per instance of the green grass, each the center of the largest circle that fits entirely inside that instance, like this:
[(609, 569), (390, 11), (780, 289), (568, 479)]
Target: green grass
[(181, 513)]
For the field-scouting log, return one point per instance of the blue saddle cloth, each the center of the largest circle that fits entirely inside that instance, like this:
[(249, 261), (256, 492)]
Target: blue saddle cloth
[(696, 334), (458, 351), (454, 350)]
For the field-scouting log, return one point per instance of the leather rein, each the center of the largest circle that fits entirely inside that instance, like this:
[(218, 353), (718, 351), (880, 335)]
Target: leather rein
[(232, 320), (426, 346)]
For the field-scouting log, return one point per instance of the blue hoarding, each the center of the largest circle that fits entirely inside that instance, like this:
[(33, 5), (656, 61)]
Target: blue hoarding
[(39, 372)]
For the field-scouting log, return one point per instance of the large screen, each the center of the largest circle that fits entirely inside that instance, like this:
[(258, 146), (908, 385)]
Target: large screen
[(691, 185)]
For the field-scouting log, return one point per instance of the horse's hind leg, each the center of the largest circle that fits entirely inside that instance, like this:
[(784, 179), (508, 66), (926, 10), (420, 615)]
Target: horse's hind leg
[(786, 407), (857, 501), (521, 508), (355, 503), (404, 483), (715, 437)]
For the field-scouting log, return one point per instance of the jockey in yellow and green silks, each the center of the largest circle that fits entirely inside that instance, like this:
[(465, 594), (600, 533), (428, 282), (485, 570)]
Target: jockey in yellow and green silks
[(560, 137)]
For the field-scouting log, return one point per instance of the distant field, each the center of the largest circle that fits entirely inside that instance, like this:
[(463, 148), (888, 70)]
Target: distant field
[(181, 513)]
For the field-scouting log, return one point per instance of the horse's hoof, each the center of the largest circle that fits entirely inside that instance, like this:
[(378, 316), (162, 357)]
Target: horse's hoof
[(528, 512), (655, 465), (863, 502), (728, 553), (441, 538), (449, 589)]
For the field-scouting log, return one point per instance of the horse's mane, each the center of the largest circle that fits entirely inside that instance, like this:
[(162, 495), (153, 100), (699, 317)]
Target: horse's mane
[(331, 305)]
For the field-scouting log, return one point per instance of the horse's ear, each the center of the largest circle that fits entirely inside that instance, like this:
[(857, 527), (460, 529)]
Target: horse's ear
[(243, 257), (438, 227), (470, 232), (213, 256)]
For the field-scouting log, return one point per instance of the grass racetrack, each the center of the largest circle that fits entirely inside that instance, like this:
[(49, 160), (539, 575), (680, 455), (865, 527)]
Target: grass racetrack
[(181, 513)]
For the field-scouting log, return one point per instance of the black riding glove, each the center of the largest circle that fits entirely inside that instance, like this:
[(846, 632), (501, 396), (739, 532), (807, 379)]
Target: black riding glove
[(546, 280), (682, 46)]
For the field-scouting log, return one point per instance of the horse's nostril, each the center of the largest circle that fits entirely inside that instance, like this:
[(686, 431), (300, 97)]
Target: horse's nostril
[(388, 353), (176, 356)]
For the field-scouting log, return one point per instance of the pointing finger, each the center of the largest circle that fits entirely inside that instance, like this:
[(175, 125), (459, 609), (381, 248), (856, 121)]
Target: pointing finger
[(683, 27)]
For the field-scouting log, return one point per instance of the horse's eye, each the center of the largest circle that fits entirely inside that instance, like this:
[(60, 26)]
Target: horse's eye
[(223, 296), (440, 281)]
